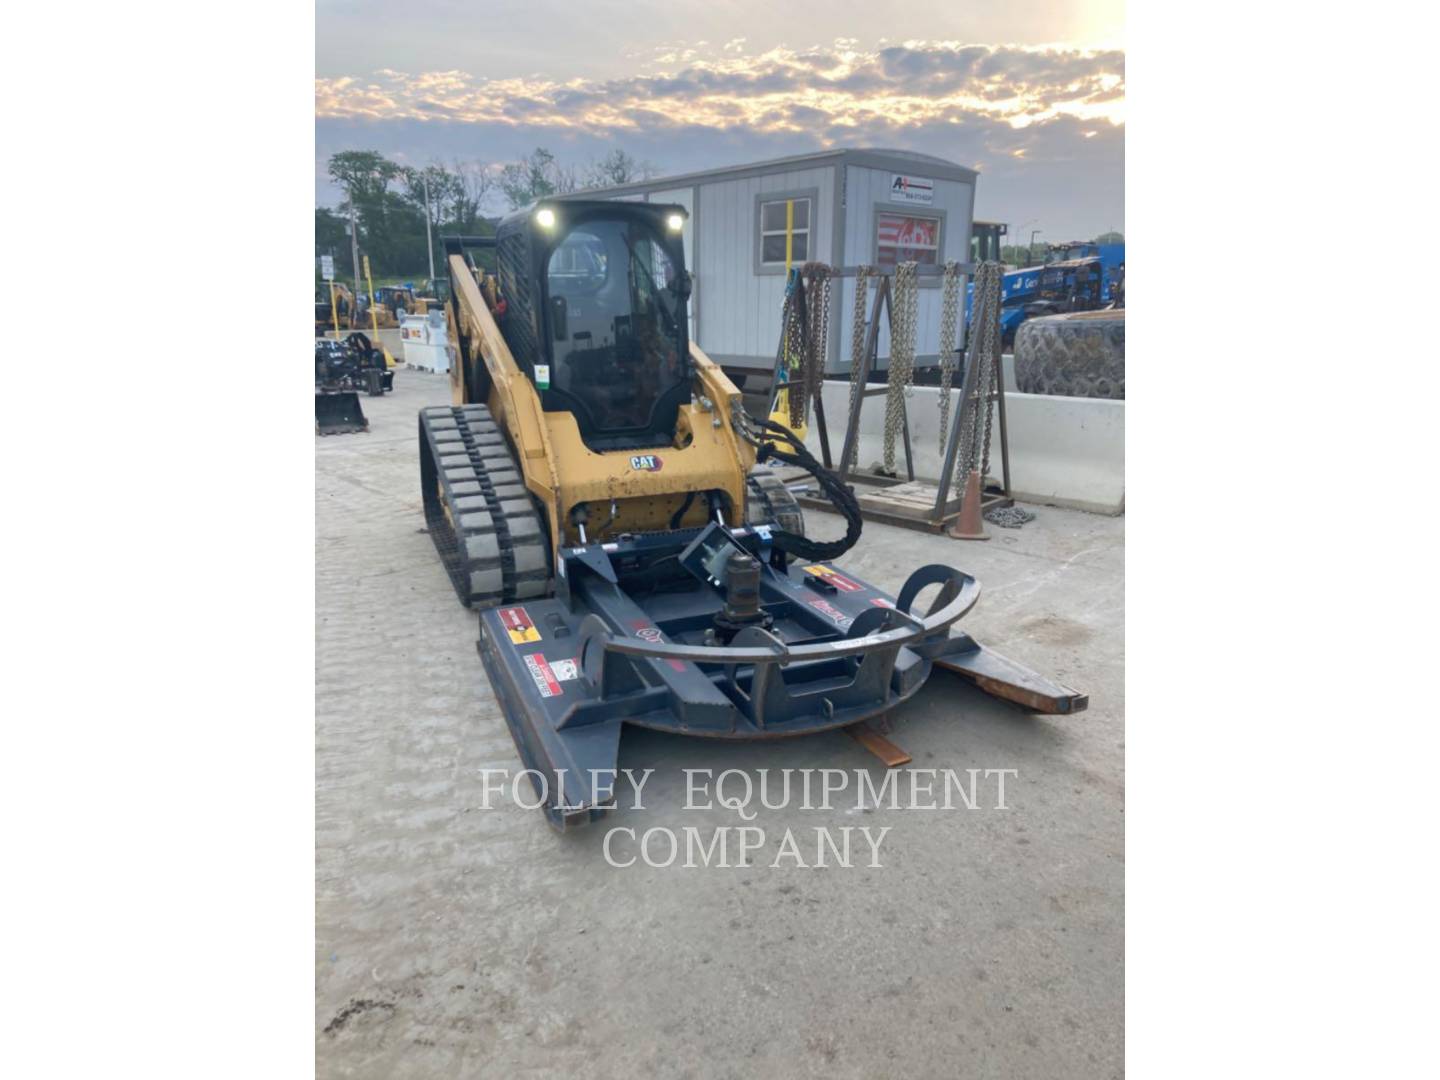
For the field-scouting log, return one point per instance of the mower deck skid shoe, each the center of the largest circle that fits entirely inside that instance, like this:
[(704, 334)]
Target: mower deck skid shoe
[(570, 670)]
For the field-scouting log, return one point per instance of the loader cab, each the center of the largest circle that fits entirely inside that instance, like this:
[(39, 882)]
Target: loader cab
[(986, 241), (597, 294)]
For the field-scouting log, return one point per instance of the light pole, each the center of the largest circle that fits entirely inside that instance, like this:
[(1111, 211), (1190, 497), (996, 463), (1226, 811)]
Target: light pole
[(354, 245), (1020, 231), (429, 243)]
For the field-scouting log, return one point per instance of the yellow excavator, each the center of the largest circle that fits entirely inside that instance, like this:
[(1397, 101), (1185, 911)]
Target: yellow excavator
[(334, 309), (343, 313), (396, 301), (597, 489)]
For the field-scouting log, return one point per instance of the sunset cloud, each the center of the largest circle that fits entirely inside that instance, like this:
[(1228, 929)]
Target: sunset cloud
[(822, 91), (1044, 125)]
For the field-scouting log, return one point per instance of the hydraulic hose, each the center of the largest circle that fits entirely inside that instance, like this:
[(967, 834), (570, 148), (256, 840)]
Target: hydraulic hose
[(767, 447)]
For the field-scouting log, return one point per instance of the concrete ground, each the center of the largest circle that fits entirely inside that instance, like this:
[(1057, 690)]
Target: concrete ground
[(457, 941)]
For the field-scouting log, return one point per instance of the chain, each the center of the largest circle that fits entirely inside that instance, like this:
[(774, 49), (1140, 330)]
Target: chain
[(965, 459), (858, 359), (949, 316), (902, 355), (817, 311), (804, 338), (792, 347), (984, 356), (1008, 517), (995, 274), (986, 404)]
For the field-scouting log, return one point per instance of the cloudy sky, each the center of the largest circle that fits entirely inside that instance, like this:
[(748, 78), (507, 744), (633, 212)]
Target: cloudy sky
[(1030, 92)]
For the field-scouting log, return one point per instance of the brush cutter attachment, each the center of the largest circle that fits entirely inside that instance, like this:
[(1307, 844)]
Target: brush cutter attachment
[(712, 648)]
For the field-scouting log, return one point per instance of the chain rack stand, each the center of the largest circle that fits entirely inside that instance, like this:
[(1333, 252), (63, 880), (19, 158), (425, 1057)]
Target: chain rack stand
[(912, 503)]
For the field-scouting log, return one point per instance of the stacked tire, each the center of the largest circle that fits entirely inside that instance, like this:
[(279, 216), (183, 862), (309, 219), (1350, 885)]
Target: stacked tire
[(1081, 354)]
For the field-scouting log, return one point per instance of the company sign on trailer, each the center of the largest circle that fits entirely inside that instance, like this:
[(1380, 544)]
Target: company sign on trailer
[(912, 189)]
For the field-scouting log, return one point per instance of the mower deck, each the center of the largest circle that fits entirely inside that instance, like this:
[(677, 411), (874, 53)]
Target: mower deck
[(571, 670)]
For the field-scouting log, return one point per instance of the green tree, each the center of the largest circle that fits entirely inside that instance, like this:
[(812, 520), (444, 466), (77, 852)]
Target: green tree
[(1020, 255), (443, 186), (537, 176), (391, 226), (474, 183), (332, 237), (389, 202), (364, 174), (1110, 238), (617, 167)]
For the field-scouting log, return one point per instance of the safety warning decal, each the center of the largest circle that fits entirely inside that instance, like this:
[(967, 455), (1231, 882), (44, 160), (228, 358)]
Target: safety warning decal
[(880, 601), (518, 625), (838, 617), (565, 670), (545, 680), (645, 632), (839, 580)]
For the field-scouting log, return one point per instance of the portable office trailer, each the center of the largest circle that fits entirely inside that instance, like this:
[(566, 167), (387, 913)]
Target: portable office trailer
[(877, 207)]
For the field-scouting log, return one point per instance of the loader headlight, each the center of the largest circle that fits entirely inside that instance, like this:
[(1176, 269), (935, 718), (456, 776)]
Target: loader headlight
[(676, 222), (545, 218)]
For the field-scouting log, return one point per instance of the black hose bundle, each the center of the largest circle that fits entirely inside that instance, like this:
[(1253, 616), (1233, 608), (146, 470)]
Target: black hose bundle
[(843, 498), (685, 506)]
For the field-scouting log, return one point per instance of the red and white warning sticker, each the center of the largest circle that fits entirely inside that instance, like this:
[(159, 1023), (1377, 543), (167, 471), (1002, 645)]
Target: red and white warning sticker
[(830, 574), (838, 617), (519, 626), (545, 680)]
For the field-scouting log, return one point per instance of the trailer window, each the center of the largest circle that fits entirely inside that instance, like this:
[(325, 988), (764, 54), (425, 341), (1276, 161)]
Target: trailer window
[(772, 232), (907, 238)]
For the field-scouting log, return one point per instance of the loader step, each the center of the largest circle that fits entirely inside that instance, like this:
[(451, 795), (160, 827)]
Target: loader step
[(478, 510)]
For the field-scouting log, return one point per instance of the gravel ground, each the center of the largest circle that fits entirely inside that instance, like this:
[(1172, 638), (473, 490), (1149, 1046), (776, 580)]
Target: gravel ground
[(457, 940)]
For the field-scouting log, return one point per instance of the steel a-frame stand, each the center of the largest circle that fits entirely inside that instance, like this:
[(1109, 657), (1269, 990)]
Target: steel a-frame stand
[(909, 502)]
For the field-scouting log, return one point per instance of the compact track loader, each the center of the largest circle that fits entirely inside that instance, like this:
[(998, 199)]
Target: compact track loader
[(599, 492)]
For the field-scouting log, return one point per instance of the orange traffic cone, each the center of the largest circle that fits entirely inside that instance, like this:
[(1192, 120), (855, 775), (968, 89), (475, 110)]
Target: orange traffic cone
[(970, 525)]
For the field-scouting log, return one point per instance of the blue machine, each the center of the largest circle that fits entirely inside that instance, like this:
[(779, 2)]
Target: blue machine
[(1079, 277)]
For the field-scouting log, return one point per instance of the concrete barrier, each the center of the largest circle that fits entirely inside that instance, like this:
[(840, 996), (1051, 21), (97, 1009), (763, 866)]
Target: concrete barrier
[(391, 340), (1063, 451)]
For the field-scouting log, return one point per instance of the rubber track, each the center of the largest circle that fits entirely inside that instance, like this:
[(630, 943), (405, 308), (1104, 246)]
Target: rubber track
[(496, 551), (771, 502)]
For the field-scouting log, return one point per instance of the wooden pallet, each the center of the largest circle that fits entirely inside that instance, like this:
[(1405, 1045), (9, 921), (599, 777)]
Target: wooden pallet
[(913, 499), (910, 504)]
